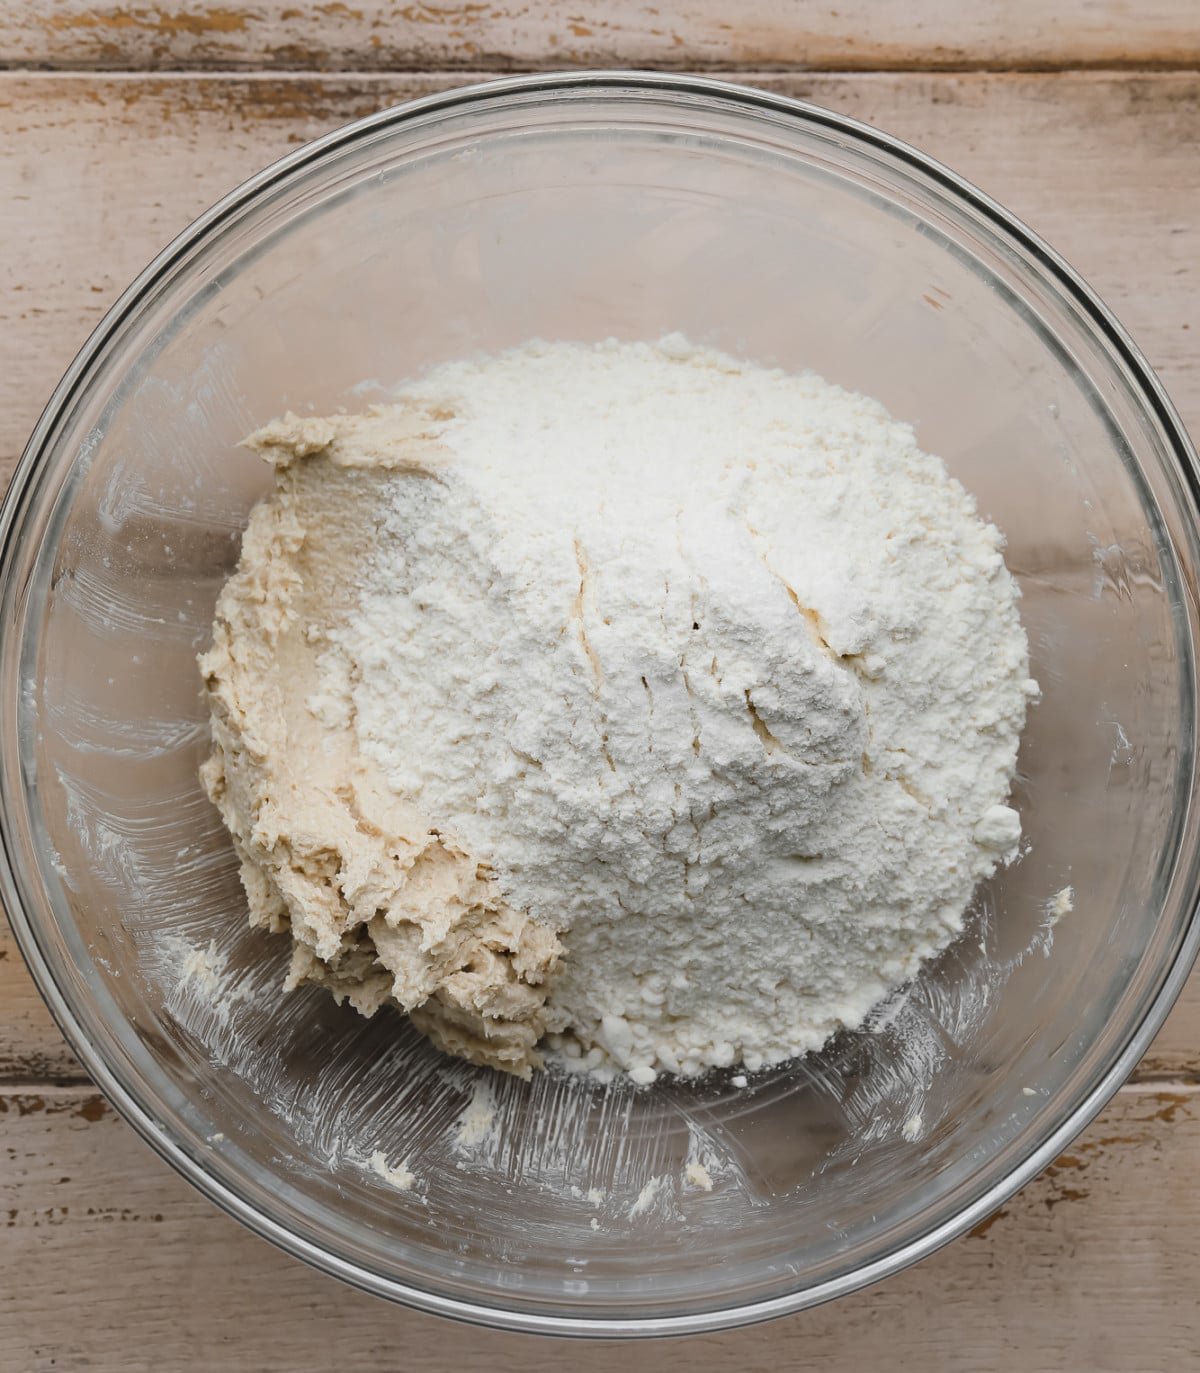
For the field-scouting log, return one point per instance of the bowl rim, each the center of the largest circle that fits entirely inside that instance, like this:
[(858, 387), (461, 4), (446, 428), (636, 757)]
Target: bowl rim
[(21, 493)]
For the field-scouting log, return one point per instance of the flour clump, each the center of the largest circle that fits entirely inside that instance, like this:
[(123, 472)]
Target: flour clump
[(628, 704)]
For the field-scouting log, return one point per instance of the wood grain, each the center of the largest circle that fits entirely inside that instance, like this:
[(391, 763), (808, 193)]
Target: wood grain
[(1092, 1266), (32, 1050), (97, 173), (518, 34)]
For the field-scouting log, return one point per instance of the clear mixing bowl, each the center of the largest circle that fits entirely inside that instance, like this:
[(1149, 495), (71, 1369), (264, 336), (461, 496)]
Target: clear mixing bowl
[(578, 208)]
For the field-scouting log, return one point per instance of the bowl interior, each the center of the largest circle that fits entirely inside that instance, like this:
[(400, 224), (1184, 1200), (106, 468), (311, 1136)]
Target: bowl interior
[(581, 214)]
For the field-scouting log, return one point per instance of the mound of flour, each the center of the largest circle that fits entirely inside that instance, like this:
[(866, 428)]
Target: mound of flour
[(707, 668), (720, 674)]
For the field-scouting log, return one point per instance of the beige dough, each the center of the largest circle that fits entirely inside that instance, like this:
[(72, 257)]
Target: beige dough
[(382, 907)]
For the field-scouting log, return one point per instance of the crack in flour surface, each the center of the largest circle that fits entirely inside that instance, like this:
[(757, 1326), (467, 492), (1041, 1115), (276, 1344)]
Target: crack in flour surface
[(627, 703)]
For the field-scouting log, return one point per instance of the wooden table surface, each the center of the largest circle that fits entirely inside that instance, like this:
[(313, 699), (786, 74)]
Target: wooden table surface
[(119, 122)]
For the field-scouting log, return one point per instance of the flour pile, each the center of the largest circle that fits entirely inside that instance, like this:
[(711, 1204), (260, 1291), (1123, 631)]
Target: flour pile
[(628, 703)]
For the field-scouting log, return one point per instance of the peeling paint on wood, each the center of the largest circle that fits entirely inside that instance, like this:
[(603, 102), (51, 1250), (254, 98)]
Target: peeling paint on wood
[(1091, 1266), (1101, 165), (499, 34)]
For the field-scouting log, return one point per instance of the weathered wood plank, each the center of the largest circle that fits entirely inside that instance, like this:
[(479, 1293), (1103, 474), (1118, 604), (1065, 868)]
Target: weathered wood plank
[(96, 173), (1092, 1266), (32, 1048), (99, 172), (499, 34)]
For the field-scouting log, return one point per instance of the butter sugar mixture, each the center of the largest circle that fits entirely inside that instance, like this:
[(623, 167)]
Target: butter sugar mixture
[(625, 704)]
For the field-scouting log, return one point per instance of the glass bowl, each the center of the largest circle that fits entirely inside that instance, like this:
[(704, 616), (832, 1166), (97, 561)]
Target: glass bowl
[(582, 207)]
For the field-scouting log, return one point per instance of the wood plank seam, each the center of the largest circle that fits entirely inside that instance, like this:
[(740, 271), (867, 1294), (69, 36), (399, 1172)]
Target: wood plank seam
[(495, 71), (61, 1087)]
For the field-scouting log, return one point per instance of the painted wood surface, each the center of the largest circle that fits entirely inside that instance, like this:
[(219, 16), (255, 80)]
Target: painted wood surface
[(98, 172), (112, 1262), (516, 34)]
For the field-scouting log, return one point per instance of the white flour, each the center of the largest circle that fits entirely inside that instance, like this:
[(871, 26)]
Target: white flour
[(719, 674)]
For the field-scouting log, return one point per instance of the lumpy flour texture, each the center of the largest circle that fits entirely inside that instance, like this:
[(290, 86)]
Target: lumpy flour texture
[(626, 703)]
